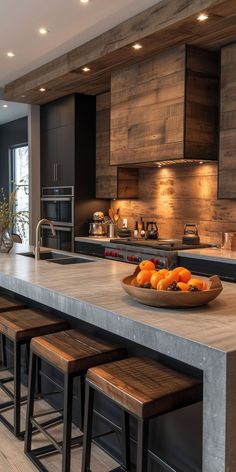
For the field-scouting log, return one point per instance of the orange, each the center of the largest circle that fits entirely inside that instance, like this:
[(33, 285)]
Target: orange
[(153, 272), (205, 286), (143, 277), (147, 265), (163, 272), (184, 275), (183, 287), (178, 269), (163, 284), (155, 278), (196, 283), (172, 277)]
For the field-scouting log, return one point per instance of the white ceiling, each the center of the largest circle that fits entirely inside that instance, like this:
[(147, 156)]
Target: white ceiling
[(13, 112), (69, 22)]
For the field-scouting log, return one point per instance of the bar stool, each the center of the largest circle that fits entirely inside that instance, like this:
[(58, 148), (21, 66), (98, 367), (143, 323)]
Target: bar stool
[(19, 327), (144, 389), (8, 304), (72, 353)]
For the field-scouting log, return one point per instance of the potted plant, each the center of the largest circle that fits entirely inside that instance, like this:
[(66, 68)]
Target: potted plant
[(10, 218)]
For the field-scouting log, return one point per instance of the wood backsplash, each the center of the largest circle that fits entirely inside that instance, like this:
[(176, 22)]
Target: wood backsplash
[(175, 196)]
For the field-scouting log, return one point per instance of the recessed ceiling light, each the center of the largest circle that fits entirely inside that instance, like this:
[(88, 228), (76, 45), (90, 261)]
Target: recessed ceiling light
[(42, 89), (5, 106), (137, 46), (43, 31), (86, 69), (202, 17), (84, 1), (10, 54), (201, 162)]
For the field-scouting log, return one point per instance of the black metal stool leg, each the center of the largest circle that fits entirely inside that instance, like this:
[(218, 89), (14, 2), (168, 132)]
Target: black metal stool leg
[(30, 404), (88, 427), (82, 399), (126, 440), (67, 418), (142, 446), (38, 378), (3, 350), (17, 387)]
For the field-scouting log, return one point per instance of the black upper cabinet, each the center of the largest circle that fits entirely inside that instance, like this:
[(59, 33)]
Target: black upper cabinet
[(68, 144)]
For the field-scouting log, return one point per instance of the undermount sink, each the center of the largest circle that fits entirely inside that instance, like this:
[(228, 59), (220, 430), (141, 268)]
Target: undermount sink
[(57, 258)]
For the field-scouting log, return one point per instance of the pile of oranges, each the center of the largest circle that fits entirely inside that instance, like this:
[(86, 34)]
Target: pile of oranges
[(178, 279)]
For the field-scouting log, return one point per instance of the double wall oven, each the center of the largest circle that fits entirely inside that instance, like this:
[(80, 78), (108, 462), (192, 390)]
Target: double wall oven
[(57, 205)]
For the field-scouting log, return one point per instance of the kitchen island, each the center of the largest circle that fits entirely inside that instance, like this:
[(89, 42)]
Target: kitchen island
[(202, 338)]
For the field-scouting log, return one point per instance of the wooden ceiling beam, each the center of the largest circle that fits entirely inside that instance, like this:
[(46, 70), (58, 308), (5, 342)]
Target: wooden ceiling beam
[(168, 23)]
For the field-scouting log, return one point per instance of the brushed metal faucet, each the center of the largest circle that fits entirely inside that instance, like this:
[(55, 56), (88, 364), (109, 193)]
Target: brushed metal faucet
[(37, 239)]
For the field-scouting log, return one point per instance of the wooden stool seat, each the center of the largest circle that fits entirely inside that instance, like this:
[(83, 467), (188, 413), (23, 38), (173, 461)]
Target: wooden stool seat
[(144, 387), (24, 324), (10, 304), (72, 351)]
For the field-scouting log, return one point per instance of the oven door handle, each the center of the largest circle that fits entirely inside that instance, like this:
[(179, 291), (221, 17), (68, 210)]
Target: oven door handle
[(56, 199)]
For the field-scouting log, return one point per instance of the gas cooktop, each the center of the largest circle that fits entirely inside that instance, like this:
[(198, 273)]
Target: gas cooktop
[(165, 244)]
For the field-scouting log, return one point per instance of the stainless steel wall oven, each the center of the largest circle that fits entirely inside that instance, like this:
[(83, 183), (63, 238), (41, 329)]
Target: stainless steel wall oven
[(57, 205)]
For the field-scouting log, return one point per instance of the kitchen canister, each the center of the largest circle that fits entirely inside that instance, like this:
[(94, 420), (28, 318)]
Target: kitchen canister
[(229, 241)]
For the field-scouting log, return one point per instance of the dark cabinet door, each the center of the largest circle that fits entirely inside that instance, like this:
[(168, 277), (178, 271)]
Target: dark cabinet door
[(48, 158), (57, 157), (65, 158)]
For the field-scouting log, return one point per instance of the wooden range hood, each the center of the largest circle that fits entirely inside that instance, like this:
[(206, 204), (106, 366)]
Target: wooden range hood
[(169, 23)]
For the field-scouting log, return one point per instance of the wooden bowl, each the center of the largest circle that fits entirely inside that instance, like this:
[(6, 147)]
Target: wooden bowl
[(164, 298)]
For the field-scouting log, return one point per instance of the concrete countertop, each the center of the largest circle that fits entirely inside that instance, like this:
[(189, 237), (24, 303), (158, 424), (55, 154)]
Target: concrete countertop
[(202, 337), (210, 254)]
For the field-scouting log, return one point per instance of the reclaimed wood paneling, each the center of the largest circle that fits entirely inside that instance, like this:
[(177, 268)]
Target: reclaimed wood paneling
[(227, 159), (147, 109), (168, 23), (111, 181), (202, 104), (179, 195), (166, 108)]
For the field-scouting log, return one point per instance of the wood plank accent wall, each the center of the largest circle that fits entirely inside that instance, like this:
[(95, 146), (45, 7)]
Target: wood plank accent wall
[(166, 108), (147, 109), (227, 159), (179, 195), (111, 181)]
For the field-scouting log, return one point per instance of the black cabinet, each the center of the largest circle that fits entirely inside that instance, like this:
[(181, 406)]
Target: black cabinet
[(68, 144)]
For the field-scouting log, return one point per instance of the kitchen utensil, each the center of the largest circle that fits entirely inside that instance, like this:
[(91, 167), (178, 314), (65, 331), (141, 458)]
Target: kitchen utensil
[(111, 230), (117, 215), (111, 214), (152, 230), (168, 299), (191, 234), (229, 241)]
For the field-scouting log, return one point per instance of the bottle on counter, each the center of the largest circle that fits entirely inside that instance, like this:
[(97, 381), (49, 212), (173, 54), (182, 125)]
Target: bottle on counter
[(136, 230), (143, 232)]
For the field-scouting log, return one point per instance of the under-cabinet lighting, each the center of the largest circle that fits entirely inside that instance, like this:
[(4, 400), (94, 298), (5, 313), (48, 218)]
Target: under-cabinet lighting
[(202, 17), (201, 162), (10, 54), (42, 89), (86, 69), (84, 1), (43, 31), (137, 46)]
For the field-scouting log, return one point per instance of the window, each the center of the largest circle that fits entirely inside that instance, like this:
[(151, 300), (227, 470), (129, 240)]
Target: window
[(19, 176)]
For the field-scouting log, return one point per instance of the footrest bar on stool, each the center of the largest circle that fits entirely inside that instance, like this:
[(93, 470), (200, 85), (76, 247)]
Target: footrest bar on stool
[(11, 428), (5, 405), (47, 435), (41, 451), (6, 380)]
